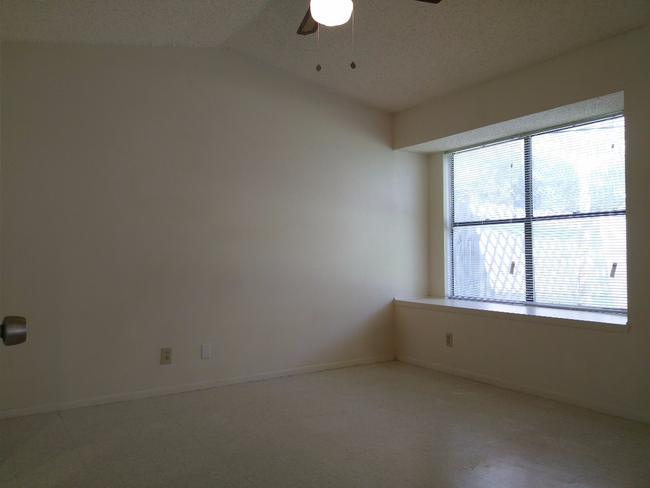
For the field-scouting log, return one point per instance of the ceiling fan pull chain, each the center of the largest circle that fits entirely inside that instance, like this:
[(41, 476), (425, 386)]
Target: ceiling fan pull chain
[(353, 65), (318, 66)]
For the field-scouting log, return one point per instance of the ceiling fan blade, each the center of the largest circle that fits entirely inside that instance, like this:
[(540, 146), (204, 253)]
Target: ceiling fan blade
[(308, 25), (429, 1)]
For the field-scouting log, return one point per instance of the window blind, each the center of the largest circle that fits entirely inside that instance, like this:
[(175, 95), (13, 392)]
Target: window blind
[(540, 219)]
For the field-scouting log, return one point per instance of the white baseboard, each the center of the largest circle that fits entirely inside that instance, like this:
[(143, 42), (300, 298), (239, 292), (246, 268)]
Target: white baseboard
[(137, 395), (641, 416)]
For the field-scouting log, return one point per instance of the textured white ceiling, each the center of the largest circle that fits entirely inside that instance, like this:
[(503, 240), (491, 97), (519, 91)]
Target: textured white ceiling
[(159, 22), (406, 51)]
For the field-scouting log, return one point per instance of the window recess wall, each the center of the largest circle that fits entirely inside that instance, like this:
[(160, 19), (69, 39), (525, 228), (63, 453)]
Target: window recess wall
[(595, 368)]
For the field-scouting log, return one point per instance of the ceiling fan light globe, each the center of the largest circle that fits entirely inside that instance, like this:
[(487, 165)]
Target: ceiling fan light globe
[(331, 12)]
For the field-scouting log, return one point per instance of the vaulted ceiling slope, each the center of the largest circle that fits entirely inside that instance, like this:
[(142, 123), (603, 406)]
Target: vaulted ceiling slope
[(157, 22), (405, 51)]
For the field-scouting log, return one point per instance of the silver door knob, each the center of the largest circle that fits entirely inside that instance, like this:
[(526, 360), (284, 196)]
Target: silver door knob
[(13, 330)]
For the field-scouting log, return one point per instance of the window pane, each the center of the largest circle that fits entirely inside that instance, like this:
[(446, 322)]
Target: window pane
[(489, 262), (579, 169), (489, 182), (581, 262)]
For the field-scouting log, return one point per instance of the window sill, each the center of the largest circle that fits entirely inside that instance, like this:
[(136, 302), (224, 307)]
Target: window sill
[(525, 313)]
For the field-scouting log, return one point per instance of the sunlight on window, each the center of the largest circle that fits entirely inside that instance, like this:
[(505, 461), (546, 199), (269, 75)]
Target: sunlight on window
[(541, 219)]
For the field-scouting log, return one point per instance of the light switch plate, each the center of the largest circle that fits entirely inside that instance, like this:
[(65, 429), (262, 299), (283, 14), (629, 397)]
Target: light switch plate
[(206, 351)]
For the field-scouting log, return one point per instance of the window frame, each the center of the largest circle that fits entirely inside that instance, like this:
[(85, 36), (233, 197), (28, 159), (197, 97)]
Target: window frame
[(527, 220)]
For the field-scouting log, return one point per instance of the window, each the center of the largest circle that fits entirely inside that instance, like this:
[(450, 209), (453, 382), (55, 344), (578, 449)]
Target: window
[(540, 219)]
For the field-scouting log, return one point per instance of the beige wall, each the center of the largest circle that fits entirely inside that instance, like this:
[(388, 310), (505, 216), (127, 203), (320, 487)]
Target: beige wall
[(156, 197), (606, 371)]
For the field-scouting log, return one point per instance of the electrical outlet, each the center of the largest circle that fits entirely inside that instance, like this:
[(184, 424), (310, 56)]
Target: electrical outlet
[(449, 339), (166, 355), (206, 351)]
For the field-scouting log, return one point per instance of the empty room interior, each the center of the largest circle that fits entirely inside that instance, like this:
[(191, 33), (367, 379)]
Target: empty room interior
[(283, 243)]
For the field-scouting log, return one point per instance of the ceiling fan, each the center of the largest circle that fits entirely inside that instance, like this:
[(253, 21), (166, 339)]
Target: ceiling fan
[(330, 13)]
